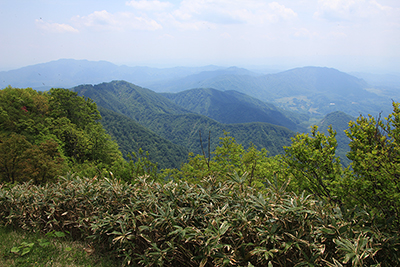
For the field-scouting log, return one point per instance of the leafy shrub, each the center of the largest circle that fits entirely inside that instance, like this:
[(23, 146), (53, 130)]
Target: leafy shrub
[(208, 224)]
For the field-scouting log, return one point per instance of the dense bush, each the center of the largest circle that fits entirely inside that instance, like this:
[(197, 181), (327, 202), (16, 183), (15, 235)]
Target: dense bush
[(212, 224)]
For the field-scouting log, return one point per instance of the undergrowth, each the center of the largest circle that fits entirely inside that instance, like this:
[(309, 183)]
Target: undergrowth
[(22, 248), (212, 224)]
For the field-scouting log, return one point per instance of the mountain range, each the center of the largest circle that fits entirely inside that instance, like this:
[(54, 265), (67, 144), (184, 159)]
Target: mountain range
[(66, 73), (315, 91), (171, 112), (178, 125)]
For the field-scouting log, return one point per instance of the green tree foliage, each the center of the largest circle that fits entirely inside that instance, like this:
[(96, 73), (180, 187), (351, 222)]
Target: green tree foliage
[(314, 165), (375, 155), (41, 133), (340, 122), (230, 161), (21, 161), (43, 162), (139, 165), (373, 179), (80, 111), (12, 156)]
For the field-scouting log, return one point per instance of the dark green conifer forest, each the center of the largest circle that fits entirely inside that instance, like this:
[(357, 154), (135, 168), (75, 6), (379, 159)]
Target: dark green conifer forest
[(284, 200)]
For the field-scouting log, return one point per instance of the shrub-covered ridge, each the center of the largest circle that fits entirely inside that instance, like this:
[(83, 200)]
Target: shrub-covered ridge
[(209, 224)]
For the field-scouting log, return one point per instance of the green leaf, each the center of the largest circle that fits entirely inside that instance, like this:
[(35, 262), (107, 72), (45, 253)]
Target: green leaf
[(59, 234), (15, 249), (223, 228), (26, 250)]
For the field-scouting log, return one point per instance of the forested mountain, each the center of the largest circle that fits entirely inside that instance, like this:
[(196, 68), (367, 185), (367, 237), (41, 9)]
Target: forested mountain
[(230, 107), (131, 136), (180, 126), (313, 90), (128, 99)]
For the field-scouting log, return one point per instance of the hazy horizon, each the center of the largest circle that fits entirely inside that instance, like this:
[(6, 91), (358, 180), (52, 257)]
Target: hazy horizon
[(351, 36)]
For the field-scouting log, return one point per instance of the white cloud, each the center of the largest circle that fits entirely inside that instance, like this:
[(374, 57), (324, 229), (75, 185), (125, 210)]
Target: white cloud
[(154, 5), (103, 20), (187, 15), (55, 27), (337, 10), (282, 11), (226, 12)]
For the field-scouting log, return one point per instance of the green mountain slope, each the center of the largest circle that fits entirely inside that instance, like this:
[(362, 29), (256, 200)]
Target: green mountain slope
[(230, 107), (184, 130), (128, 99), (131, 136), (176, 124)]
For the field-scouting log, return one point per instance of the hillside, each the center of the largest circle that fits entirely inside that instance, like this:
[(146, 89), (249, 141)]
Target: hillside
[(230, 107), (131, 136), (128, 99), (176, 124)]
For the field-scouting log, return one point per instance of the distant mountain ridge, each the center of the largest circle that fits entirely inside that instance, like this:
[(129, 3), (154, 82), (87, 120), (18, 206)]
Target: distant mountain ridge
[(178, 125), (66, 73), (315, 91)]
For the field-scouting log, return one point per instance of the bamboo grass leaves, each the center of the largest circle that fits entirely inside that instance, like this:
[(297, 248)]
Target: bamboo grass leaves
[(208, 224)]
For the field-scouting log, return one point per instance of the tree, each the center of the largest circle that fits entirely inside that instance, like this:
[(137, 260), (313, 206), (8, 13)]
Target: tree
[(39, 129), (229, 161), (79, 110), (21, 161), (375, 155), (43, 162), (13, 157), (313, 162)]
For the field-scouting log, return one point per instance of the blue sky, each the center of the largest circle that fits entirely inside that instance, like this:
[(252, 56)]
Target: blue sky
[(350, 35)]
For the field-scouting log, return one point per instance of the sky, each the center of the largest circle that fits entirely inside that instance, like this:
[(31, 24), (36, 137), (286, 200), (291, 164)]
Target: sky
[(350, 35)]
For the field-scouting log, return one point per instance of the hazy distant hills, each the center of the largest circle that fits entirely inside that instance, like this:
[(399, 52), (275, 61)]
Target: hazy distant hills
[(295, 82), (178, 125), (230, 107), (66, 73), (315, 91)]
